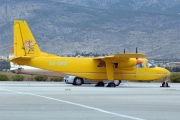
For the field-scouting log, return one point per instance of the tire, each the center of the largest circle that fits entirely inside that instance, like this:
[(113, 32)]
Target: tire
[(101, 84), (117, 82), (78, 81), (111, 84), (164, 84)]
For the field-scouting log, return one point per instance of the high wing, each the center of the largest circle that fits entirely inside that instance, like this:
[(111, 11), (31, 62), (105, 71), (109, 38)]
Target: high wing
[(121, 61), (122, 56)]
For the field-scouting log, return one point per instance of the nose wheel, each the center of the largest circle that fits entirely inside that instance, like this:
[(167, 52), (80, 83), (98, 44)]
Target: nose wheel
[(165, 84)]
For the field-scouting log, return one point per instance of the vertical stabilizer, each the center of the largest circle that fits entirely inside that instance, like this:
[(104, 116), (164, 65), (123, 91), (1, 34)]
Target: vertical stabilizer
[(24, 42)]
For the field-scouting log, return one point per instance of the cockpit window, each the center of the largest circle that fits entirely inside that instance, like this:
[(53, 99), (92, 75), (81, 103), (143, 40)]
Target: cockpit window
[(101, 64), (150, 64), (140, 65)]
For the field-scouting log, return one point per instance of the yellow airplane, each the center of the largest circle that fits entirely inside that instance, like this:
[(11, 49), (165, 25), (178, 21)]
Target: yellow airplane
[(114, 67)]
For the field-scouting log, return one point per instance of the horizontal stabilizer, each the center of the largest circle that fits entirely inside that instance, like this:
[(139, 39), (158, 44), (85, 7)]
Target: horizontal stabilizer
[(24, 57)]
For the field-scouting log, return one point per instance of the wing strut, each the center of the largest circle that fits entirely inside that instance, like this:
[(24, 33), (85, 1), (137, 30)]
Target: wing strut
[(109, 70)]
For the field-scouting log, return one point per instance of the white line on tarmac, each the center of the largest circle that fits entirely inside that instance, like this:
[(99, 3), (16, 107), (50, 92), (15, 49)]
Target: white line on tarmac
[(84, 106)]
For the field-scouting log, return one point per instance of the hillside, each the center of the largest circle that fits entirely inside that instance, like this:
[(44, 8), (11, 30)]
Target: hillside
[(62, 27), (151, 6)]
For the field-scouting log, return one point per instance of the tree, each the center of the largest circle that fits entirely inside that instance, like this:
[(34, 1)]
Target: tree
[(4, 65), (17, 78), (3, 77)]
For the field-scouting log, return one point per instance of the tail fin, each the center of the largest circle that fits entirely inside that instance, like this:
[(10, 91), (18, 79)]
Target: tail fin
[(24, 42)]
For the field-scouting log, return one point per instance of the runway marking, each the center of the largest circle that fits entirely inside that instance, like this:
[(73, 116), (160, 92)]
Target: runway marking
[(85, 106)]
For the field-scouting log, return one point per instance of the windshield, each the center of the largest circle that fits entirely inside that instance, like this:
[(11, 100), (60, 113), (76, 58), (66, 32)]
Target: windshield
[(150, 64)]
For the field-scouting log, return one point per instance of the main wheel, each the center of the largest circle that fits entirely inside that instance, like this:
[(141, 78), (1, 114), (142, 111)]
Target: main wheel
[(100, 84), (111, 84), (117, 82), (78, 81)]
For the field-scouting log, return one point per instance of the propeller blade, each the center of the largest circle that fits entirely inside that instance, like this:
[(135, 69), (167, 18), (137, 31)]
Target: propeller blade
[(136, 50)]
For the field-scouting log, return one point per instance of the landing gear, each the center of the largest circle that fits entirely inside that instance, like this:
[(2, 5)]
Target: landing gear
[(100, 84), (165, 84), (111, 84), (117, 82)]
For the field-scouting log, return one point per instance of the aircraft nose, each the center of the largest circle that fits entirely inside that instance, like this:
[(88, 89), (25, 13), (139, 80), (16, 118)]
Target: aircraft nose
[(166, 72), (162, 72)]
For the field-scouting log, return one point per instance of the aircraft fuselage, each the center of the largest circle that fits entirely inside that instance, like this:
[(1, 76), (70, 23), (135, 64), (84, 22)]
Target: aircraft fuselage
[(90, 69)]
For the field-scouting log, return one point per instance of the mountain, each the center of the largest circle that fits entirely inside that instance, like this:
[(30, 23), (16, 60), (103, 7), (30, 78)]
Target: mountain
[(151, 6), (99, 26)]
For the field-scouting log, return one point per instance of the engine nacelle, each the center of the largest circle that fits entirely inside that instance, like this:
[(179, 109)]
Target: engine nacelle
[(129, 63)]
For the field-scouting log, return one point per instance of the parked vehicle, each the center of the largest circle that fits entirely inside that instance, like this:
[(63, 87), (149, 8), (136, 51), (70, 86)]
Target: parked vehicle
[(79, 81)]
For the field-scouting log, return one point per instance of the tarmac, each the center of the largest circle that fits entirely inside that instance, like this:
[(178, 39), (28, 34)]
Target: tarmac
[(60, 101)]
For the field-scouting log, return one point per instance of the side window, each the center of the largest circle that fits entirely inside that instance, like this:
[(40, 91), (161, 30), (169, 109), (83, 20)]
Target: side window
[(115, 65), (140, 65), (101, 64)]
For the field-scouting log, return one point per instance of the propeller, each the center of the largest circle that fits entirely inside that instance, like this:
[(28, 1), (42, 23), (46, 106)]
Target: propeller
[(137, 60), (136, 50)]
